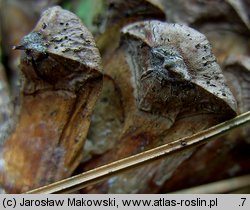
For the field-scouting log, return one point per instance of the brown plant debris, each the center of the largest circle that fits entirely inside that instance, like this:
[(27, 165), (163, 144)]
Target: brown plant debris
[(176, 85), (119, 13), (61, 82)]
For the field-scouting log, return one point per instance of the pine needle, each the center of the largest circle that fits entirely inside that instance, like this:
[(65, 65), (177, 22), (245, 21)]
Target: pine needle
[(98, 174)]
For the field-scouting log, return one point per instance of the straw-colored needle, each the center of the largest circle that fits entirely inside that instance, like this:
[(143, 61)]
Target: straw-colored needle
[(98, 174)]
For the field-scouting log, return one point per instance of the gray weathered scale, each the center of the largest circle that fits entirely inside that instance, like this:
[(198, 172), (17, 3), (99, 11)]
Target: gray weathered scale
[(174, 64)]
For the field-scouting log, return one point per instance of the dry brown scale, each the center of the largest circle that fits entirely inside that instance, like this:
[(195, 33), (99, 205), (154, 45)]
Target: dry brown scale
[(170, 83), (62, 79)]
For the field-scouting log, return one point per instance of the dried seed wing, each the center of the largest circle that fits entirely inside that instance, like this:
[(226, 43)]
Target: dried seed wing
[(169, 91), (62, 79)]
